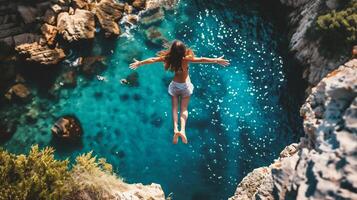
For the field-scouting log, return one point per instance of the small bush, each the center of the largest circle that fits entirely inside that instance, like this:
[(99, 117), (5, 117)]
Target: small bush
[(36, 176), (39, 176), (341, 25)]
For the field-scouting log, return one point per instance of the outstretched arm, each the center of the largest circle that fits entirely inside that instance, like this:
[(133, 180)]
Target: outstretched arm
[(136, 64), (220, 60)]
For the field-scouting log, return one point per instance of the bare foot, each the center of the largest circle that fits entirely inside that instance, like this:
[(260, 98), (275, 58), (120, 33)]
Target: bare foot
[(183, 137), (175, 138)]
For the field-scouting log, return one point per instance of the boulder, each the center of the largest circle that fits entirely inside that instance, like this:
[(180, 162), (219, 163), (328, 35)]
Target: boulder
[(154, 4), (354, 51), (7, 129), (76, 27), (139, 4), (155, 36), (133, 19), (49, 32), (109, 13), (67, 127), (56, 8), (82, 4), (26, 38), (50, 17), (64, 2), (69, 79), (41, 54), (18, 91), (91, 64), (152, 16), (128, 9), (28, 13)]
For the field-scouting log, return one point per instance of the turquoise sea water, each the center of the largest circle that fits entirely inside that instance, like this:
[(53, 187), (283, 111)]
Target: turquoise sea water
[(240, 117)]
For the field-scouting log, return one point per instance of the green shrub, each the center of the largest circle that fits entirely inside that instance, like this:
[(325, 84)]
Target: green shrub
[(340, 25), (36, 176), (39, 176)]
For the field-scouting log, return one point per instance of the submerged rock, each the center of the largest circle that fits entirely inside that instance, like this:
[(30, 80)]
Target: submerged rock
[(69, 79), (41, 54), (18, 91), (154, 4), (91, 64), (78, 26), (7, 129), (139, 4), (152, 16), (109, 13), (155, 36), (323, 165), (67, 127)]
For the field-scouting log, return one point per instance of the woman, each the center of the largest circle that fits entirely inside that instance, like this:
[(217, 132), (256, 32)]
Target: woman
[(176, 59)]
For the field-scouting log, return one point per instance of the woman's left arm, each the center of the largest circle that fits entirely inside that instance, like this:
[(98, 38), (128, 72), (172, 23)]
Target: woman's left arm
[(136, 64)]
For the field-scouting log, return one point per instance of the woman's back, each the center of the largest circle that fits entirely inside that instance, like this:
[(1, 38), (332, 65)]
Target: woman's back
[(182, 75)]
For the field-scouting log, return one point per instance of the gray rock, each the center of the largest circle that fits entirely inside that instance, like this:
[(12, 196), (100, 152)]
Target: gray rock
[(307, 51), (76, 27), (324, 164), (109, 13)]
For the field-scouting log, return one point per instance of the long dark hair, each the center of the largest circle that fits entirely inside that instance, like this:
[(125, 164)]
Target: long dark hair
[(174, 56)]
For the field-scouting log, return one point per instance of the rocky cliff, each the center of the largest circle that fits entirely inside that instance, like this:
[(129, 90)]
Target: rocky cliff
[(323, 164), (307, 50)]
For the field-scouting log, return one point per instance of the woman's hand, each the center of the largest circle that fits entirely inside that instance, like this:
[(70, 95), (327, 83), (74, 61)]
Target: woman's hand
[(221, 61), (135, 64)]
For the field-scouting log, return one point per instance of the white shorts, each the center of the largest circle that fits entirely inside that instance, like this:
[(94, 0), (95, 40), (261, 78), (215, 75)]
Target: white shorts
[(180, 89)]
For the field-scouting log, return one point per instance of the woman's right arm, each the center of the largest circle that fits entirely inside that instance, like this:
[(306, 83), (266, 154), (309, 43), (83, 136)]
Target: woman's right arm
[(219, 60), (136, 64)]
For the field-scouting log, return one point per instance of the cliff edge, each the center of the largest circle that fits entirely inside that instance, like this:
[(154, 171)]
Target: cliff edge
[(323, 165)]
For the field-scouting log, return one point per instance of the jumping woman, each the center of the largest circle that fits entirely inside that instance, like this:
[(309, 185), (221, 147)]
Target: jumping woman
[(176, 59)]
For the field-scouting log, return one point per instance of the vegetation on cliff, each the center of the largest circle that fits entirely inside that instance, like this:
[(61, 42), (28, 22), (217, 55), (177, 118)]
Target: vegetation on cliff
[(39, 175), (340, 25)]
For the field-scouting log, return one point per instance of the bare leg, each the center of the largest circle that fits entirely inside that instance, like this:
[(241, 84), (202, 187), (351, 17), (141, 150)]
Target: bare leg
[(183, 117), (175, 118)]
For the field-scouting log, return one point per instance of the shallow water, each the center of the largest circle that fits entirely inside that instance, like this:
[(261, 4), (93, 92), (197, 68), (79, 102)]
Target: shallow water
[(238, 118)]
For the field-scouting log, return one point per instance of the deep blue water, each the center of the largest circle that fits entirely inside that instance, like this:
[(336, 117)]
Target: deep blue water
[(238, 116)]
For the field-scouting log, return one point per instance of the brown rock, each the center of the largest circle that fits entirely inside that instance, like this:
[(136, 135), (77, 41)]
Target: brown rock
[(28, 13), (50, 17), (76, 27), (67, 127), (128, 9), (69, 79), (19, 91), (50, 33), (139, 4), (42, 54), (7, 129), (71, 11), (89, 64), (354, 51), (25, 38), (64, 2), (109, 13), (82, 4), (56, 8), (155, 36), (133, 19), (152, 16)]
